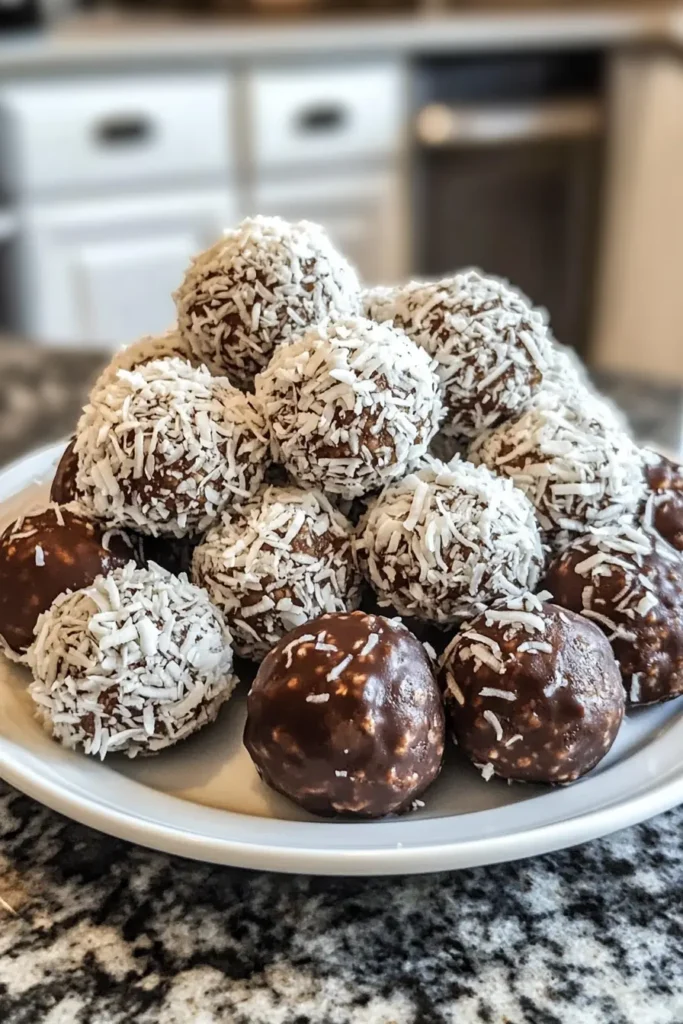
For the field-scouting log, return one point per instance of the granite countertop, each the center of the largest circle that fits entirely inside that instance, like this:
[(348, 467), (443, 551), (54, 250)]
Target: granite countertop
[(96, 931)]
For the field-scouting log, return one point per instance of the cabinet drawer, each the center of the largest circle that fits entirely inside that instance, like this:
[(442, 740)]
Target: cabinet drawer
[(326, 114), (94, 133)]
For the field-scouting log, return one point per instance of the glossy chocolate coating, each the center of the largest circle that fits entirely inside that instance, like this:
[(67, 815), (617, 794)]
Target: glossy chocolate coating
[(364, 741), (567, 707), (666, 478), (650, 646), (64, 488), (74, 554)]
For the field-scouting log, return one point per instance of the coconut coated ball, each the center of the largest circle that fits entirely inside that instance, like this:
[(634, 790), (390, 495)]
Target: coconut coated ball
[(533, 693), (132, 664), (448, 540), (43, 554), (166, 447), (170, 345), (577, 470), (566, 386), (345, 717), (377, 299), (631, 586), (261, 284), (350, 406), (276, 562), (491, 348)]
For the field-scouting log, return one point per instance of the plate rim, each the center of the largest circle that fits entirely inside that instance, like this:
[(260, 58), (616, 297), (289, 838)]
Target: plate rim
[(658, 796), (398, 860)]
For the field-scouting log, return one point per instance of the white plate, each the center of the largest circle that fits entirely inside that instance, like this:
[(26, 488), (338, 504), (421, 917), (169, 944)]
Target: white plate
[(205, 800)]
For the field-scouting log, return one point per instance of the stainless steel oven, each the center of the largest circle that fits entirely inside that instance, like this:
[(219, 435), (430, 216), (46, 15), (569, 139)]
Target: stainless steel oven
[(509, 166)]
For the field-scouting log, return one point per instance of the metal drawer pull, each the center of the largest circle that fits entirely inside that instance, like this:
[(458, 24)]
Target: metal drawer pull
[(322, 119), (441, 125), (124, 131)]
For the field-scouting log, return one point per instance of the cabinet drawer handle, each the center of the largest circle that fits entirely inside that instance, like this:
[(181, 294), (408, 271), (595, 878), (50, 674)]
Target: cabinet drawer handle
[(124, 131), (439, 125), (321, 119)]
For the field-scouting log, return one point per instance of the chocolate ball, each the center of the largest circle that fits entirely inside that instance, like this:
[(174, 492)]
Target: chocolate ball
[(345, 717), (631, 586), (165, 448), (44, 554), (170, 345), (64, 489), (533, 692), (350, 406), (570, 461), (261, 284), (133, 664), (665, 487), (275, 563), (444, 542), (492, 349)]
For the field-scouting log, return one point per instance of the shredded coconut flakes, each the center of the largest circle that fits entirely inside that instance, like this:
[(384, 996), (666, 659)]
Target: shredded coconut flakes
[(134, 663), (285, 541)]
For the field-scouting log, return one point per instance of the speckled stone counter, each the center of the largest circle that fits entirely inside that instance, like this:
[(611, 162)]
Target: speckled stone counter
[(95, 931)]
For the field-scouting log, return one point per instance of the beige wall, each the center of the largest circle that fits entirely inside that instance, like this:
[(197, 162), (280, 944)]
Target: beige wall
[(639, 326)]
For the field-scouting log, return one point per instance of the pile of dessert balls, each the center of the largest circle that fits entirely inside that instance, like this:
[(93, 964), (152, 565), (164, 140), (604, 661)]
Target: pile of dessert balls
[(407, 506)]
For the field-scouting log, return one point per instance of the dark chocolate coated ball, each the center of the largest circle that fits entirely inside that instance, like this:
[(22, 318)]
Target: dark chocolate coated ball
[(636, 597), (533, 693), (345, 717), (665, 481), (64, 488), (45, 554)]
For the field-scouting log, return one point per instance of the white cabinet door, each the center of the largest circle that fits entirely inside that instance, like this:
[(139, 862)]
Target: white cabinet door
[(363, 213), (102, 273)]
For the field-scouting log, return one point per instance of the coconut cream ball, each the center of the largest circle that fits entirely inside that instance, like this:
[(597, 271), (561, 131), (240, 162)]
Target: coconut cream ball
[(491, 347), (374, 301), (132, 664), (276, 562), (566, 384), (170, 345), (447, 541), (165, 447), (350, 406), (577, 471), (263, 283), (630, 583)]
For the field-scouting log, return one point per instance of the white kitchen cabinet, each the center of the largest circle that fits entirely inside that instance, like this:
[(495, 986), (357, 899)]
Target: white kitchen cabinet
[(327, 144), (102, 272), (322, 114), (362, 211), (70, 137)]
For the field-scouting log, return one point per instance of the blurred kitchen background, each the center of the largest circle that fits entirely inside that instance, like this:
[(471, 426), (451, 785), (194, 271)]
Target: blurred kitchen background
[(540, 141)]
